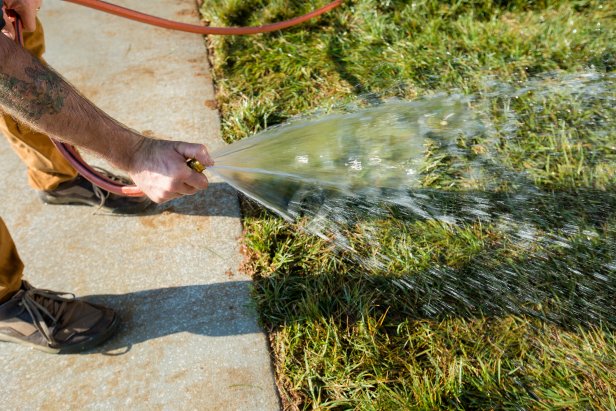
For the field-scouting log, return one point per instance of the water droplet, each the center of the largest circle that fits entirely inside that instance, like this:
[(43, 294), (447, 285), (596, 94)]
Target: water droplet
[(301, 159)]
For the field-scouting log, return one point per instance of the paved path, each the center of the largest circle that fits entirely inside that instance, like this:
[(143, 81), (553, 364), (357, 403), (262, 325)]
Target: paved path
[(190, 338)]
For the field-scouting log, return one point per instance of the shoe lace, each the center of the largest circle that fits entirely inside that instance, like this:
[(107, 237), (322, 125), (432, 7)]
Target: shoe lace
[(42, 304), (113, 177), (101, 194)]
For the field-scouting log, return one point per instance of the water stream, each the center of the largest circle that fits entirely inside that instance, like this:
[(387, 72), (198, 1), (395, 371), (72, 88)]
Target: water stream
[(532, 164)]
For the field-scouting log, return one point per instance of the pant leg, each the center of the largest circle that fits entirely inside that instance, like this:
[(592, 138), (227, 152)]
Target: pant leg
[(47, 168), (11, 267)]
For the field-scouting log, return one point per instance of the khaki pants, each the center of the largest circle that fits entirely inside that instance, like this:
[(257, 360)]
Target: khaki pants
[(11, 267), (46, 166), (46, 169)]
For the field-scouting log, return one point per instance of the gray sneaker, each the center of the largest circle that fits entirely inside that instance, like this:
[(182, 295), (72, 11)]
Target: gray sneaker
[(48, 321), (80, 191)]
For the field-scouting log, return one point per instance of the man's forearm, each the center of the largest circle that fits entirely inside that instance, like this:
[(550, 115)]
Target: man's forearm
[(36, 95)]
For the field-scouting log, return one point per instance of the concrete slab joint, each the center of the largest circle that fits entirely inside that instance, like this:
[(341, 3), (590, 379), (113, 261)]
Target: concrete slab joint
[(190, 338)]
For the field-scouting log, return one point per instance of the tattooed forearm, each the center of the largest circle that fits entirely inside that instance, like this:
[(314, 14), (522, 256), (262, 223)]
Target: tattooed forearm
[(36, 95), (40, 93)]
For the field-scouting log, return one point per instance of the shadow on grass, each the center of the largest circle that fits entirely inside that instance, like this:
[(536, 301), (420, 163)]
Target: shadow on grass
[(565, 276), (335, 53)]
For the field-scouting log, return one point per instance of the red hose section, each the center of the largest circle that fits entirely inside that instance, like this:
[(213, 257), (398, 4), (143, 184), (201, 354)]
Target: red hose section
[(71, 153), (193, 28)]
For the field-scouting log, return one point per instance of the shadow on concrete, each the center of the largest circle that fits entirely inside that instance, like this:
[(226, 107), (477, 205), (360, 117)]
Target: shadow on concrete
[(214, 310), (219, 200)]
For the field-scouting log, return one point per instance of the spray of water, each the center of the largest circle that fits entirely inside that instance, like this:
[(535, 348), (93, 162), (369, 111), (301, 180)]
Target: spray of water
[(364, 178)]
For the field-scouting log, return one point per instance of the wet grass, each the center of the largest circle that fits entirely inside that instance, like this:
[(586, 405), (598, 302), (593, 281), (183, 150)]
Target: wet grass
[(430, 329)]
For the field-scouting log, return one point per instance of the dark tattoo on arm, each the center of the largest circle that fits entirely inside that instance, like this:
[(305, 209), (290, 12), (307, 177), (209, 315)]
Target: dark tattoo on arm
[(41, 93)]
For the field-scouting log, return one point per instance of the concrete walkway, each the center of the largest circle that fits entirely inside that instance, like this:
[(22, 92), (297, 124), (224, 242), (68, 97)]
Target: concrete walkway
[(189, 338)]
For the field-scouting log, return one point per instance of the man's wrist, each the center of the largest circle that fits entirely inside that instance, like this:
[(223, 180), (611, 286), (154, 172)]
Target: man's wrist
[(124, 150)]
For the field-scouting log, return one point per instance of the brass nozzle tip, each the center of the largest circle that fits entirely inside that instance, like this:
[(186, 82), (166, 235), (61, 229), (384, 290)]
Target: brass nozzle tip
[(195, 165)]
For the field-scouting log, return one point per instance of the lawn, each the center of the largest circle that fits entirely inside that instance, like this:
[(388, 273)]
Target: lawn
[(467, 315)]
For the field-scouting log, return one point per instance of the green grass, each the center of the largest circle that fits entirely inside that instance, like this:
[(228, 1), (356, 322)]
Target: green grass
[(431, 329)]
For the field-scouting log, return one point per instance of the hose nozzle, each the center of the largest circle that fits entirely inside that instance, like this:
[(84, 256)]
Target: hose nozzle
[(195, 165)]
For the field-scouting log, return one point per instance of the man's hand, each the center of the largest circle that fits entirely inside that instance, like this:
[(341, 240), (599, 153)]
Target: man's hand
[(159, 169), (26, 9)]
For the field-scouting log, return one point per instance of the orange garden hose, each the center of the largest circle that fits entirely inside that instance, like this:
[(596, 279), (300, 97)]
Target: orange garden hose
[(71, 153), (193, 28)]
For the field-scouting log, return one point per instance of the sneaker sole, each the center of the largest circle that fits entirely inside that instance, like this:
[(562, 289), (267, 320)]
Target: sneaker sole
[(71, 349), (49, 350)]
